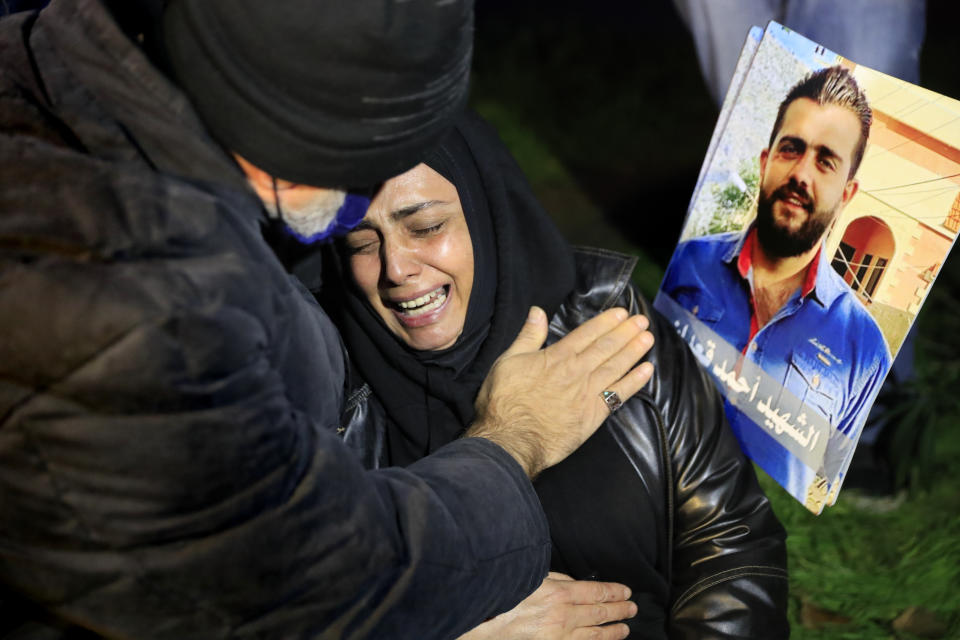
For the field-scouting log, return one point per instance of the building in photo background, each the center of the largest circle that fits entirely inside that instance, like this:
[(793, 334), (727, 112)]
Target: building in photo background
[(892, 238)]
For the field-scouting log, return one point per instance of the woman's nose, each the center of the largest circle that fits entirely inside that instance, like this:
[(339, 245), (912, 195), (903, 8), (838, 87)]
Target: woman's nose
[(400, 261)]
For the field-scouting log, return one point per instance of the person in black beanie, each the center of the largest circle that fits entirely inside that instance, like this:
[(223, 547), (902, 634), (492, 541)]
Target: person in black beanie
[(168, 390)]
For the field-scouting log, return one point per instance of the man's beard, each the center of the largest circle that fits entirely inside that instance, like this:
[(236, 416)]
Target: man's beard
[(781, 242), (311, 216)]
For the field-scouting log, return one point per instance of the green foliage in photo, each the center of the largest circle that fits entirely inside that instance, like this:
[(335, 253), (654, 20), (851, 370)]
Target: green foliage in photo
[(733, 204)]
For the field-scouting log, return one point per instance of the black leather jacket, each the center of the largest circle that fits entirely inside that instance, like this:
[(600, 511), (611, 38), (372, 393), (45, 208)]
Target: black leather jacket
[(726, 569)]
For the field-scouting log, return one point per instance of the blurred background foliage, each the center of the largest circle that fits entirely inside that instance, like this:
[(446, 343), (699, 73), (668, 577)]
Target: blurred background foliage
[(603, 105), (734, 202)]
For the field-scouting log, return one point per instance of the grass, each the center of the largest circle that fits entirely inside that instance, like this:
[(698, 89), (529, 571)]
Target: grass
[(869, 565)]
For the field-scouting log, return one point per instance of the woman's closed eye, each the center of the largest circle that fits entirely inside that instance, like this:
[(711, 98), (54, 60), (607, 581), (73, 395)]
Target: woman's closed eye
[(362, 243), (428, 230)]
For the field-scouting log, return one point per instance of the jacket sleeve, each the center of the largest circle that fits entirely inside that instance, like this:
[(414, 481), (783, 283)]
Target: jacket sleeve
[(729, 577), (166, 468)]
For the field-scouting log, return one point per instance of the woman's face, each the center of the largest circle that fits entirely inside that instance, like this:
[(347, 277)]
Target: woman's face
[(412, 258)]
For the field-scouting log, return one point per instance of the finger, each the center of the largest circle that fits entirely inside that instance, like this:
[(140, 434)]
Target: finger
[(593, 615), (622, 362), (609, 345), (556, 575), (615, 373), (587, 592), (610, 632), (587, 333), (532, 333), (629, 384)]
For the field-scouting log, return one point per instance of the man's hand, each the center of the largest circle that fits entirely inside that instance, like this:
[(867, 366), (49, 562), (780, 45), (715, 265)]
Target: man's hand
[(541, 404), (563, 608)]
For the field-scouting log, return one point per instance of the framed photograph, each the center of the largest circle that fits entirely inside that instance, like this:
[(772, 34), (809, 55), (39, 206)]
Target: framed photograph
[(827, 203)]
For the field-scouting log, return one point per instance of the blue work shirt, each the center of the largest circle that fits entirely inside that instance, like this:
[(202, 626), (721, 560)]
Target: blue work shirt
[(822, 345)]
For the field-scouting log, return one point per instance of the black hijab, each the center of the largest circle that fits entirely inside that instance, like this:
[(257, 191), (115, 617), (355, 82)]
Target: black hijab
[(520, 259)]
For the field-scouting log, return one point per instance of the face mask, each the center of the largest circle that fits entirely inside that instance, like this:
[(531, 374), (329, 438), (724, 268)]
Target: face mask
[(322, 222)]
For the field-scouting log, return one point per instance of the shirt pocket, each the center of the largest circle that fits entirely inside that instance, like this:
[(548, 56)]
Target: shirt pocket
[(814, 383), (701, 304)]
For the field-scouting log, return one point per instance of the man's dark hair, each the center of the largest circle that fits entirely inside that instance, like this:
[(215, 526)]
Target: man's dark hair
[(833, 85)]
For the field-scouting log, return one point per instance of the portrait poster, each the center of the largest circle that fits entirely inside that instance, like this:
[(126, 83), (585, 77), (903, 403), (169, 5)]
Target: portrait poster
[(800, 268)]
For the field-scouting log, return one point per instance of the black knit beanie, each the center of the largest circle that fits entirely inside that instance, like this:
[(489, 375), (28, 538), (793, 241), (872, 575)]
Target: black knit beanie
[(332, 93)]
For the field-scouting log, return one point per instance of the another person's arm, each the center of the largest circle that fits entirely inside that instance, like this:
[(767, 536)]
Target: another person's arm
[(165, 473)]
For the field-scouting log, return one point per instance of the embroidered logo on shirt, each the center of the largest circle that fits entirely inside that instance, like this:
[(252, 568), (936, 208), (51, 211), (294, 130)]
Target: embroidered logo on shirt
[(826, 355)]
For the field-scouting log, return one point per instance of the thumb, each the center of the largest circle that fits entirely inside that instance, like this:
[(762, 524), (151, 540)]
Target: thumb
[(532, 334)]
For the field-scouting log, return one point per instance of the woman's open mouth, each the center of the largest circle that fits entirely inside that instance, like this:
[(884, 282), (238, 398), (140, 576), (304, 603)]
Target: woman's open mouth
[(409, 311)]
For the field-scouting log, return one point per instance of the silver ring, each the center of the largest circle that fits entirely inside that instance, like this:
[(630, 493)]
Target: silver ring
[(612, 400)]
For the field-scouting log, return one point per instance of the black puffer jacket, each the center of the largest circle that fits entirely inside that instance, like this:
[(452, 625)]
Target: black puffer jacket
[(719, 568), (168, 393)]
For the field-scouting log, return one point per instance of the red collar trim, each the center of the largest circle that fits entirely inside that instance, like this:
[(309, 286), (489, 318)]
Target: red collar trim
[(745, 259), (810, 280)]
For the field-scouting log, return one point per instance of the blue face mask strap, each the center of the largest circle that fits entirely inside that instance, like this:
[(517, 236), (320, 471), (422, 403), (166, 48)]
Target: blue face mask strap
[(349, 214)]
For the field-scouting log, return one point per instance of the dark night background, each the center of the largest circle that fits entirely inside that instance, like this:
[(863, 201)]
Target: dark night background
[(614, 92)]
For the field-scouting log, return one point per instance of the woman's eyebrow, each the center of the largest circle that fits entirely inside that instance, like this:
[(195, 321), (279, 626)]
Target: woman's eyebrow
[(363, 224), (401, 213), (409, 210)]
